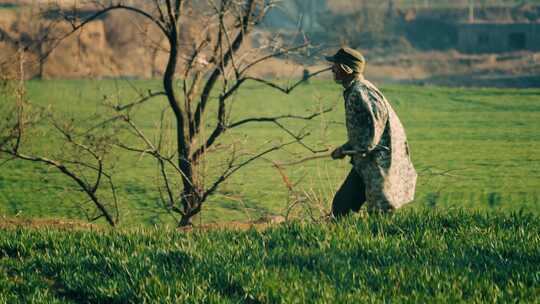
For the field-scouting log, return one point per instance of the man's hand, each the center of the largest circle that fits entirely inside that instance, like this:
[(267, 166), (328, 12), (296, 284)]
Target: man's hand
[(338, 153)]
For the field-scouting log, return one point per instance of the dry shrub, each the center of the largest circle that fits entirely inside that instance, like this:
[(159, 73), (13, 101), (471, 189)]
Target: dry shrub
[(81, 55), (7, 19), (17, 34)]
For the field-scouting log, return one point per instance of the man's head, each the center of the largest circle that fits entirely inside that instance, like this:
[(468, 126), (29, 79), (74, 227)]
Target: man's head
[(347, 63)]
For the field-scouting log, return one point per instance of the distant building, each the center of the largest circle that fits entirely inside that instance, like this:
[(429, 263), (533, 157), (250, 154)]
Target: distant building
[(296, 14), (498, 37)]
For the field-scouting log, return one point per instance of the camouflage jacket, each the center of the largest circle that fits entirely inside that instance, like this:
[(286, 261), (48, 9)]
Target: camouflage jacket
[(384, 162)]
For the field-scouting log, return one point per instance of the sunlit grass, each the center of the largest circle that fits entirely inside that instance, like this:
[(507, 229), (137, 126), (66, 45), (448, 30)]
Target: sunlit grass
[(473, 148), (409, 257)]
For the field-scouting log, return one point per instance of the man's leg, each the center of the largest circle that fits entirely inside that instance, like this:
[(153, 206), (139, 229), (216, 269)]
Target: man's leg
[(350, 196)]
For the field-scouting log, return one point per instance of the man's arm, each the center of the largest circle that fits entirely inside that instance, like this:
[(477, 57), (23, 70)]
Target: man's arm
[(366, 120)]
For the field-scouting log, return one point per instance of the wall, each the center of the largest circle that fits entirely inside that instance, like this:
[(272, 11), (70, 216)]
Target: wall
[(498, 37)]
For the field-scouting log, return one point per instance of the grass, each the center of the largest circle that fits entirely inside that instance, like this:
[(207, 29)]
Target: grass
[(411, 257), (474, 149)]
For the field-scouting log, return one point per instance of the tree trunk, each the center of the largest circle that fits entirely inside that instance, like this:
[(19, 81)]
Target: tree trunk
[(192, 206), (185, 221), (190, 199)]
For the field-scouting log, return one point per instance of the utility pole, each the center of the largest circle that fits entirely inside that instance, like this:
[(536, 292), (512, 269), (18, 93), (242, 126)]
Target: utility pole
[(311, 10), (390, 13), (471, 11)]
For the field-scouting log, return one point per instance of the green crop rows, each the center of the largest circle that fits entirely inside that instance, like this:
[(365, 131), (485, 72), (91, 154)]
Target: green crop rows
[(474, 148), (411, 257)]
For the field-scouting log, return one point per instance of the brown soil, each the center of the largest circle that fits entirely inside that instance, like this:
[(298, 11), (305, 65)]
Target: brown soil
[(65, 224), (259, 225), (35, 223)]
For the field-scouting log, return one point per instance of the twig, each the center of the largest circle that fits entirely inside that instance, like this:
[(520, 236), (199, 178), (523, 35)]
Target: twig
[(302, 160)]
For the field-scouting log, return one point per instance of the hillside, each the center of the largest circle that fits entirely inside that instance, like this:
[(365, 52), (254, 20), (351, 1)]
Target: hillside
[(410, 257), (399, 50)]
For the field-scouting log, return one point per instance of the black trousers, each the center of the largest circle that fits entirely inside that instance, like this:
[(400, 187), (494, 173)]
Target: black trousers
[(350, 196)]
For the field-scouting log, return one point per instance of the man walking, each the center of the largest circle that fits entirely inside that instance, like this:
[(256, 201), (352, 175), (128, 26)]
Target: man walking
[(382, 176)]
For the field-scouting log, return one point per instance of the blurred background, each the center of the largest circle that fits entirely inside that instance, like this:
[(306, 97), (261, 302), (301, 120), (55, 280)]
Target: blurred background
[(456, 43)]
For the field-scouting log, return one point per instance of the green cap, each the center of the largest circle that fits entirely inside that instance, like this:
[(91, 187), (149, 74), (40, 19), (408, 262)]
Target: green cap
[(349, 57)]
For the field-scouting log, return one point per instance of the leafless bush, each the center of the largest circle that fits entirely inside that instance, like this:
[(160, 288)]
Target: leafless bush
[(81, 158)]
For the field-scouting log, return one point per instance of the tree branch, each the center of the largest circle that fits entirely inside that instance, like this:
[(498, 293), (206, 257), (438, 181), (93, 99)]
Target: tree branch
[(142, 100), (233, 168), (272, 55), (84, 186), (250, 6), (4, 36), (286, 90), (98, 14), (276, 118)]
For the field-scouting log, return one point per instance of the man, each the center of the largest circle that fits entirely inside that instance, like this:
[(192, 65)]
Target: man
[(383, 176)]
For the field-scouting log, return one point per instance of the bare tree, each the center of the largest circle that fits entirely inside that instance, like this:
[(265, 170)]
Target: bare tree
[(199, 82), (82, 159)]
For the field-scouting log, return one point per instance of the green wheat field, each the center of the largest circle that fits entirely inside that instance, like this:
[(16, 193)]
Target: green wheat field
[(471, 235), (473, 148), (412, 257)]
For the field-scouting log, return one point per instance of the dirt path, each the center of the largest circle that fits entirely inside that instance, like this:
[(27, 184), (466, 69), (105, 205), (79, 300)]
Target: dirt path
[(12, 223), (66, 224)]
